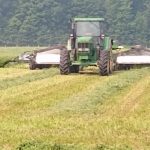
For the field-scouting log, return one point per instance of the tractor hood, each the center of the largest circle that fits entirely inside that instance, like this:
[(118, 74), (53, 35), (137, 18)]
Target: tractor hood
[(85, 39)]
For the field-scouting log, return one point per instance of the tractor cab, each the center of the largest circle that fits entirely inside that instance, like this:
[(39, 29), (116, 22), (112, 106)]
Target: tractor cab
[(83, 29), (88, 26)]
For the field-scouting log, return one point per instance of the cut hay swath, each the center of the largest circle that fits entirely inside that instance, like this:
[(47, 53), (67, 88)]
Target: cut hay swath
[(43, 110)]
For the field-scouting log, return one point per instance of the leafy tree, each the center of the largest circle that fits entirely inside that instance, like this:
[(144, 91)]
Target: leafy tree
[(37, 22)]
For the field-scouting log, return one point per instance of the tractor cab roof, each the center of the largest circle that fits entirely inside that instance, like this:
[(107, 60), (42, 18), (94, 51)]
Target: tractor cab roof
[(88, 19)]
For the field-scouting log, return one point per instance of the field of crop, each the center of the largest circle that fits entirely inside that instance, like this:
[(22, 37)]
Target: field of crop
[(42, 110), (9, 53)]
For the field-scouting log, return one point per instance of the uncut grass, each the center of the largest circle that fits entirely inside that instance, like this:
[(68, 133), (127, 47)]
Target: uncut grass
[(9, 53), (71, 109)]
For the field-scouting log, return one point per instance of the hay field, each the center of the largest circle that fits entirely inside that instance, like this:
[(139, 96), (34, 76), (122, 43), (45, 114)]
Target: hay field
[(42, 110)]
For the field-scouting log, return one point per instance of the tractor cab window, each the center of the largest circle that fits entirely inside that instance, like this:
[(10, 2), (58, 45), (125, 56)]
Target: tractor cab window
[(84, 28)]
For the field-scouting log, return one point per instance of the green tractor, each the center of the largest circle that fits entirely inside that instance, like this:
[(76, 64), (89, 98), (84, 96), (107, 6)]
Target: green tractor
[(87, 46)]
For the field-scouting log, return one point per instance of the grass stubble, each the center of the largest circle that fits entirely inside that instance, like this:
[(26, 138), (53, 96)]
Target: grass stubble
[(43, 110)]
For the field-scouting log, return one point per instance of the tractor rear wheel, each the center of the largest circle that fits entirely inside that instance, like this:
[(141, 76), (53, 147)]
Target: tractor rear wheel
[(64, 62), (105, 63)]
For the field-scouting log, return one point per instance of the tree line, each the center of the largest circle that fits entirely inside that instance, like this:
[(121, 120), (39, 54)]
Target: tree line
[(36, 22)]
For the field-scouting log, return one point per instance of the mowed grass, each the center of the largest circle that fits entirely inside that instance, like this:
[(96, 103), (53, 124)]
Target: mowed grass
[(44, 110)]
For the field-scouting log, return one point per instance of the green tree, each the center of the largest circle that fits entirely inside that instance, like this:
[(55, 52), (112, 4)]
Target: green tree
[(47, 22)]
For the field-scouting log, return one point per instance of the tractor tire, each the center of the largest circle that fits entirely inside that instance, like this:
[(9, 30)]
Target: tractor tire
[(64, 62), (32, 65), (105, 66)]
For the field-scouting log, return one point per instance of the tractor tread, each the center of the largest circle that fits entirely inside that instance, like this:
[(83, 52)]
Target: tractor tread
[(64, 62), (104, 63)]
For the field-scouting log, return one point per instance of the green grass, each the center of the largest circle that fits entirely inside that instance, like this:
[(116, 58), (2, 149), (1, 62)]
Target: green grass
[(9, 53), (23, 76), (43, 110)]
